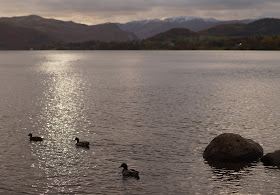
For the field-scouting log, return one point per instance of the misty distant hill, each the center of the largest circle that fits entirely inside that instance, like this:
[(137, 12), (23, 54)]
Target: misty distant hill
[(69, 31), (148, 28)]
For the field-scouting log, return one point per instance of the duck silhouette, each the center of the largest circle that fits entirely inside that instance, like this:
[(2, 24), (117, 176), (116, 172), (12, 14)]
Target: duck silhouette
[(81, 144), (129, 172), (34, 138)]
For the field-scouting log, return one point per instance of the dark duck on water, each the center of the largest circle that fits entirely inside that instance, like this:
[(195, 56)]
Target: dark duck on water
[(81, 144), (34, 138), (129, 172)]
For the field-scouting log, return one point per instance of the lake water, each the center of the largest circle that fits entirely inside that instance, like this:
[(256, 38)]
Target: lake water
[(155, 110)]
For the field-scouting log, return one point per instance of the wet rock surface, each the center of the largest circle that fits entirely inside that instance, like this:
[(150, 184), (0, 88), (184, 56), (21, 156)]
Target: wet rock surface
[(271, 159), (229, 149)]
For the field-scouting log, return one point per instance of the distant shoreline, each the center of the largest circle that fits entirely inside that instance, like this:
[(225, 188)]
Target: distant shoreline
[(191, 43)]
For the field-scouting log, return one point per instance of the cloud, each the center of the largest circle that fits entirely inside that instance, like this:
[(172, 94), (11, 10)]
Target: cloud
[(97, 11)]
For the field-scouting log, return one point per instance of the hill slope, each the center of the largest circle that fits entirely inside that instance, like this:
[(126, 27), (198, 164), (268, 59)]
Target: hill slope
[(174, 34), (224, 30), (266, 26), (262, 27), (14, 37), (69, 31)]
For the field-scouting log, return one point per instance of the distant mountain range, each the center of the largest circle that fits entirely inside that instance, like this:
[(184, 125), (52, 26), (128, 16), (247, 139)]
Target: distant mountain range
[(147, 28), (263, 34), (262, 27), (33, 31), (51, 30)]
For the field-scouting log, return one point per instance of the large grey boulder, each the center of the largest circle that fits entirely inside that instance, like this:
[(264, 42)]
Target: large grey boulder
[(272, 159), (232, 149)]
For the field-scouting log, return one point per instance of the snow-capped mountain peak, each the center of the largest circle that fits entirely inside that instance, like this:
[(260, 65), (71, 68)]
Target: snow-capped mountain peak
[(143, 22), (181, 19)]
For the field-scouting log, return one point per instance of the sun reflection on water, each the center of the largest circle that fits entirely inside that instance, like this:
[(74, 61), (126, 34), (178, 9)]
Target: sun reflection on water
[(63, 118)]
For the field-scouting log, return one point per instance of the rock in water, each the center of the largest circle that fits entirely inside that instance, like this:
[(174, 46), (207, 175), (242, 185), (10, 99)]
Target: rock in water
[(229, 149), (272, 159)]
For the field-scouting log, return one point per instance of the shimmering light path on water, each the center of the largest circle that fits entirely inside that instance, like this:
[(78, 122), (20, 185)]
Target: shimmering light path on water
[(154, 110)]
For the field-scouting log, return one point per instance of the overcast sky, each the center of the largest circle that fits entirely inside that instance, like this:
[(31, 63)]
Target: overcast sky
[(101, 11)]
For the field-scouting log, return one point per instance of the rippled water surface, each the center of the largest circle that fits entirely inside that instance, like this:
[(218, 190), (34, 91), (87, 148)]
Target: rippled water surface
[(154, 110)]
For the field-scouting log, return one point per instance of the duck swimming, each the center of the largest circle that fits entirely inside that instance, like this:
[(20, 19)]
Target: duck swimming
[(34, 138), (82, 144), (129, 172)]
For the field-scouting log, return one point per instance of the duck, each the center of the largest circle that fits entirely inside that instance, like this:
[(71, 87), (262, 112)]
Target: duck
[(34, 138), (129, 172), (82, 144)]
